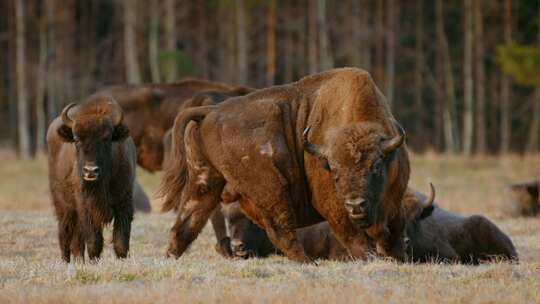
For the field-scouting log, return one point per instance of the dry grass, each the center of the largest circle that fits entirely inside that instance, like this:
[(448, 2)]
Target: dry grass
[(31, 271)]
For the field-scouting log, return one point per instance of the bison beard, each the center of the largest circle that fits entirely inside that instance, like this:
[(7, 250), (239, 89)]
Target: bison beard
[(91, 175), (254, 146)]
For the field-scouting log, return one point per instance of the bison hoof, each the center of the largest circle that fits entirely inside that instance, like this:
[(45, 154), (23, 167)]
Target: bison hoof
[(224, 248)]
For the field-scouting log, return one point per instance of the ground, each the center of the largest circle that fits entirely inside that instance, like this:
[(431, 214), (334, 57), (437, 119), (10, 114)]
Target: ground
[(31, 269)]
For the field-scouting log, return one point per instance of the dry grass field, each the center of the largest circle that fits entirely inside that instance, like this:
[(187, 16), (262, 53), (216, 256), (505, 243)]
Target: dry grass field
[(31, 270)]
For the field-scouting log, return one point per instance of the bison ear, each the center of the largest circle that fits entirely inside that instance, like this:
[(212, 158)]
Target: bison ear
[(426, 211), (65, 133), (120, 133)]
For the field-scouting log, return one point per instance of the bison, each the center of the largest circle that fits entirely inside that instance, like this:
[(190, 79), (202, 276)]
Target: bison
[(140, 199), (324, 148), (438, 234), (523, 198), (149, 111), (91, 174)]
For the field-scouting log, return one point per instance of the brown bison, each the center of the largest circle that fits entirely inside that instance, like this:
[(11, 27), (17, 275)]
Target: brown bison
[(91, 173), (438, 234), (149, 111), (523, 198), (323, 148)]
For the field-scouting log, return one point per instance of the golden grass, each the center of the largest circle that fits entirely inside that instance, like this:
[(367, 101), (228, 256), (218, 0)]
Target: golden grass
[(31, 271)]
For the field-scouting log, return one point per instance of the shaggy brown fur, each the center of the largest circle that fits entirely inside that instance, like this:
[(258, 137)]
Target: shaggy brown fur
[(150, 111), (441, 235), (255, 145), (523, 198), (91, 173)]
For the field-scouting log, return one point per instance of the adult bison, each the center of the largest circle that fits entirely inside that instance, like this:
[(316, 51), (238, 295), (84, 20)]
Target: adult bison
[(150, 109), (325, 147), (524, 199), (91, 173), (438, 234)]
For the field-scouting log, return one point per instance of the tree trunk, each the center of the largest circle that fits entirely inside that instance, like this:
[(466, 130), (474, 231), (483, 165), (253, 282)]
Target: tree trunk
[(153, 41), (23, 123), (41, 124), (271, 43), (171, 68), (379, 42), (288, 60), (241, 40), (481, 136), (418, 68), (449, 112), (534, 129), (390, 49), (505, 86), (312, 37), (468, 111), (133, 74), (325, 59), (52, 74), (356, 36)]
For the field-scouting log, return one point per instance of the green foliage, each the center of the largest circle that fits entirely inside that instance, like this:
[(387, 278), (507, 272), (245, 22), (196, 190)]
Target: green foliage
[(521, 62), (179, 60)]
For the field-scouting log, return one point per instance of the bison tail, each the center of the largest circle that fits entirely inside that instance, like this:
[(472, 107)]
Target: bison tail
[(175, 172)]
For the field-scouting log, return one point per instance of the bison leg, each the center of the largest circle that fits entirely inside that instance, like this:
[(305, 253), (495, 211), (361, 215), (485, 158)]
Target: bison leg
[(223, 246), (94, 239), (191, 218), (66, 224), (122, 231), (77, 242)]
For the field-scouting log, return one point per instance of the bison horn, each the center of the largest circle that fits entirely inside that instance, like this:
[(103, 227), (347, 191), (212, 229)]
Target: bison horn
[(309, 147), (429, 201), (65, 115), (116, 112), (392, 144)]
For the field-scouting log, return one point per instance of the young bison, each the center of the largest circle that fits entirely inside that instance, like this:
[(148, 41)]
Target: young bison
[(438, 234), (91, 174), (523, 198)]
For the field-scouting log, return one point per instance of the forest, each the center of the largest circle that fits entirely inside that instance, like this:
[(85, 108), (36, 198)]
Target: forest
[(462, 77)]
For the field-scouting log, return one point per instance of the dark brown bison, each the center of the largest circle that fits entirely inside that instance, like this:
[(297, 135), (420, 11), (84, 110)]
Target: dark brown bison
[(437, 234), (323, 148), (249, 240), (140, 199), (523, 198), (91, 173), (149, 111)]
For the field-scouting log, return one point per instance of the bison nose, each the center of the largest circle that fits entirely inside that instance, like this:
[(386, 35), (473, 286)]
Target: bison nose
[(238, 248), (90, 172), (356, 207)]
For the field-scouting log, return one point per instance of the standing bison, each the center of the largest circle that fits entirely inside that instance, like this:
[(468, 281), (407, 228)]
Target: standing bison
[(91, 174), (323, 148)]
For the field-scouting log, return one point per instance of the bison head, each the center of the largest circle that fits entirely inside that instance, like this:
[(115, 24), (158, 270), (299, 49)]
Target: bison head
[(247, 239), (93, 127), (358, 158), (417, 207)]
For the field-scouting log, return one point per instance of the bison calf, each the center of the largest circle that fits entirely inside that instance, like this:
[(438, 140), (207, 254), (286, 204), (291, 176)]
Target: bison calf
[(91, 174), (438, 234)]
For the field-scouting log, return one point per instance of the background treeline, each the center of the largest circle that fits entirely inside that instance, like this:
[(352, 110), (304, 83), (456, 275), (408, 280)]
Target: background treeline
[(440, 63)]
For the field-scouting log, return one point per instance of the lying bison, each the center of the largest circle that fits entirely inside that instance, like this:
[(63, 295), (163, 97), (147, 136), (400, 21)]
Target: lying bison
[(438, 234), (149, 111), (523, 198), (91, 173), (323, 148)]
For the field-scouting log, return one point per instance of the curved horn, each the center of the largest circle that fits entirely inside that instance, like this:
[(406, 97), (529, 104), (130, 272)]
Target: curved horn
[(312, 149), (116, 112), (392, 144), (429, 201), (65, 115)]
